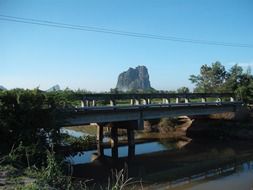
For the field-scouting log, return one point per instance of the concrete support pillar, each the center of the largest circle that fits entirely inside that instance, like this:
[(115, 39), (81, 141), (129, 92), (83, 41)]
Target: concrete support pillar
[(94, 103), (186, 100), (232, 99), (203, 100), (131, 143), (114, 142), (149, 101), (177, 100), (82, 104), (132, 102), (100, 136), (112, 103)]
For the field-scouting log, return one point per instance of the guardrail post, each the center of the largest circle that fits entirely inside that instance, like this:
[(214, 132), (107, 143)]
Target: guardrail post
[(144, 101), (82, 104), (166, 100), (219, 100), (137, 102), (203, 100), (186, 100), (112, 102), (87, 103)]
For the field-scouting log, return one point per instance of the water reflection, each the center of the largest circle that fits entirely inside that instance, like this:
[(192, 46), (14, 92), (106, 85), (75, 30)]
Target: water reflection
[(166, 165), (88, 156)]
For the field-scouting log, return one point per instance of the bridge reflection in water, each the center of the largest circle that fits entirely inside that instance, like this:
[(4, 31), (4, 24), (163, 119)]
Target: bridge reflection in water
[(196, 161)]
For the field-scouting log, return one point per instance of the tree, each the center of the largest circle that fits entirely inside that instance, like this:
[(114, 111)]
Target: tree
[(215, 78), (183, 90), (210, 79), (233, 78)]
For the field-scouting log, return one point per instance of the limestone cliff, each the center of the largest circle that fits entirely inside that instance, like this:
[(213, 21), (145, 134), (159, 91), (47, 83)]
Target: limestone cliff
[(2, 87), (54, 88), (134, 79)]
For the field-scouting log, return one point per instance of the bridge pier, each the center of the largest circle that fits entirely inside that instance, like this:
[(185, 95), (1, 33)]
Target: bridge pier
[(131, 143), (100, 136), (114, 142)]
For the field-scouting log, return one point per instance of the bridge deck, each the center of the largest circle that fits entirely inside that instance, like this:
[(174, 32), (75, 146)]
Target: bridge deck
[(139, 113)]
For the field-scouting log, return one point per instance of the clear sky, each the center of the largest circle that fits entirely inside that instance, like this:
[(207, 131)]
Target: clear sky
[(32, 55)]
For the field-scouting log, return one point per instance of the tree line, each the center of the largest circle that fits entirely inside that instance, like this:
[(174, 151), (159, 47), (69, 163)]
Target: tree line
[(215, 78)]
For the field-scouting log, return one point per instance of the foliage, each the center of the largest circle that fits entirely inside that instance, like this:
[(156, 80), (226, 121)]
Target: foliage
[(120, 180), (22, 115), (215, 78), (210, 79), (183, 90), (80, 142)]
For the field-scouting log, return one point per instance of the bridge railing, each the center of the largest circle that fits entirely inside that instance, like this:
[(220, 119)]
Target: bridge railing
[(92, 100)]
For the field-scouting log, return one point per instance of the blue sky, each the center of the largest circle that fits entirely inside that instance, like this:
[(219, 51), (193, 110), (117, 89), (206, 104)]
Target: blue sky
[(32, 55)]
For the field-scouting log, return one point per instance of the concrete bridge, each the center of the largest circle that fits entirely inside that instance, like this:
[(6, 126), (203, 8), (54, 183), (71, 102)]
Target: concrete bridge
[(129, 111)]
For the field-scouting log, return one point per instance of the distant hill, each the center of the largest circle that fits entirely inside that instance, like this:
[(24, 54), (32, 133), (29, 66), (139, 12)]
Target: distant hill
[(54, 88), (134, 79), (2, 88)]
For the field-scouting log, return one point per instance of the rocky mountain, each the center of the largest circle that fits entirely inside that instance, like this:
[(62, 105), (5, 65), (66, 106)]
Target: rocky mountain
[(54, 88), (2, 87), (134, 79)]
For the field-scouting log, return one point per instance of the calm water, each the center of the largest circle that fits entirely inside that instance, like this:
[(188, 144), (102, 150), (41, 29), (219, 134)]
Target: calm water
[(165, 165)]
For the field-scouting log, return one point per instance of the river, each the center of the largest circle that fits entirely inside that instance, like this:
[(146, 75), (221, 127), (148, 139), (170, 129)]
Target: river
[(197, 165)]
